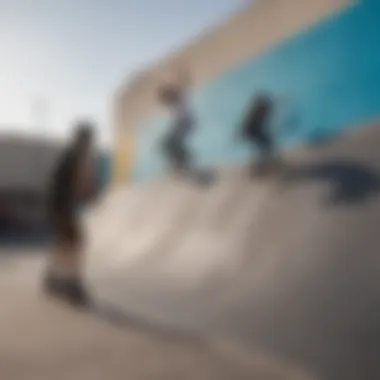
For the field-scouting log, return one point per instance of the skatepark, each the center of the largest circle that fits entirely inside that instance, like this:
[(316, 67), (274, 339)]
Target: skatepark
[(281, 282), (247, 278)]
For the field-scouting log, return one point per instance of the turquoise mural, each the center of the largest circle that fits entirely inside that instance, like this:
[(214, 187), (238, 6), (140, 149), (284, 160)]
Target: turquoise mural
[(103, 170), (329, 73)]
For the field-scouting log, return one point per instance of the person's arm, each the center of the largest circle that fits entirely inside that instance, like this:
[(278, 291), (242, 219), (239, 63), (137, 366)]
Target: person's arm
[(86, 178)]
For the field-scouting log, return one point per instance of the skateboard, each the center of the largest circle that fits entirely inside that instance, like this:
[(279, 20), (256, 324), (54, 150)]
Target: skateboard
[(202, 177), (120, 318), (104, 312), (268, 168), (66, 301)]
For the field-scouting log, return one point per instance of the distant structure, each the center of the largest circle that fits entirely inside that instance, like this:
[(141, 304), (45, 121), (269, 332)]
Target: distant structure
[(25, 165)]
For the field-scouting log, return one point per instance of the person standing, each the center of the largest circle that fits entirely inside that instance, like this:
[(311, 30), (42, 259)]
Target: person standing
[(72, 184)]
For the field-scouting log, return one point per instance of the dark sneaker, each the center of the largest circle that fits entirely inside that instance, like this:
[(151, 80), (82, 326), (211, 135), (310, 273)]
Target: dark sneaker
[(53, 286), (76, 294)]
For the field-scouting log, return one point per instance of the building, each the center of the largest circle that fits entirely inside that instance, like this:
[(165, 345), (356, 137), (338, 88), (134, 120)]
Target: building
[(321, 53), (25, 167), (25, 164)]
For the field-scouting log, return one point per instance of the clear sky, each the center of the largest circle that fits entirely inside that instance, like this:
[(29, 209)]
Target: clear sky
[(74, 53)]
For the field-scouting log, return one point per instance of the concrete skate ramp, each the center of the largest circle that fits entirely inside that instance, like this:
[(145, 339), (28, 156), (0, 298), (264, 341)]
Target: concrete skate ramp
[(287, 264), (48, 340)]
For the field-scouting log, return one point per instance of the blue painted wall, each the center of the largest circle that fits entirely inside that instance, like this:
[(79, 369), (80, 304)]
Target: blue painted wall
[(330, 73), (103, 170)]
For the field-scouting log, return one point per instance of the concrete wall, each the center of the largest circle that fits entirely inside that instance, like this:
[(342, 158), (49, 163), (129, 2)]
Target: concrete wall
[(26, 162), (318, 52), (25, 168)]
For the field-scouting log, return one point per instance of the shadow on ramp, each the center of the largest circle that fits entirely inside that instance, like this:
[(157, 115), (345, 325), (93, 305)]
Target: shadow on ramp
[(250, 359), (12, 240), (351, 182), (125, 320)]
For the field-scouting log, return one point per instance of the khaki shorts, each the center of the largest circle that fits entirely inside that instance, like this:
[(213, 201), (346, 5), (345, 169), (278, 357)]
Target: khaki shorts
[(66, 228)]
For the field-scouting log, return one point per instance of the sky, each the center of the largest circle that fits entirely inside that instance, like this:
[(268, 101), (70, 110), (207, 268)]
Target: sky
[(62, 59)]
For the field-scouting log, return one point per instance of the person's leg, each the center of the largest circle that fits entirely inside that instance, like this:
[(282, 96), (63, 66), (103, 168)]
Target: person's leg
[(64, 274), (261, 142), (72, 260), (182, 151), (180, 156), (75, 289), (177, 154), (54, 273), (266, 147), (270, 159), (174, 146), (61, 267), (167, 150)]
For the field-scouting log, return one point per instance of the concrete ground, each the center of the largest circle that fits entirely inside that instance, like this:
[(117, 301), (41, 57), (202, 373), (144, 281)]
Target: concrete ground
[(41, 339)]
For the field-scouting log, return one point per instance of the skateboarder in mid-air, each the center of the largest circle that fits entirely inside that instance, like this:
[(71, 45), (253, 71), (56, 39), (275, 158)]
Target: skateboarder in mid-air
[(72, 183), (256, 129), (175, 149)]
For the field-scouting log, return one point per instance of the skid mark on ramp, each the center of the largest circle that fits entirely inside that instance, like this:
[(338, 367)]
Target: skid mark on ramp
[(139, 246), (119, 227), (179, 223), (151, 239), (182, 225), (205, 253)]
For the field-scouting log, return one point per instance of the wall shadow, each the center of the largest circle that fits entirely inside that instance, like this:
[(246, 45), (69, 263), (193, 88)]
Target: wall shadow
[(15, 238), (126, 320), (351, 182)]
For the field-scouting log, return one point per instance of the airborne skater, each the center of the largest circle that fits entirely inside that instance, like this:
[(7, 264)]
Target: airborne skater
[(256, 129), (175, 147)]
